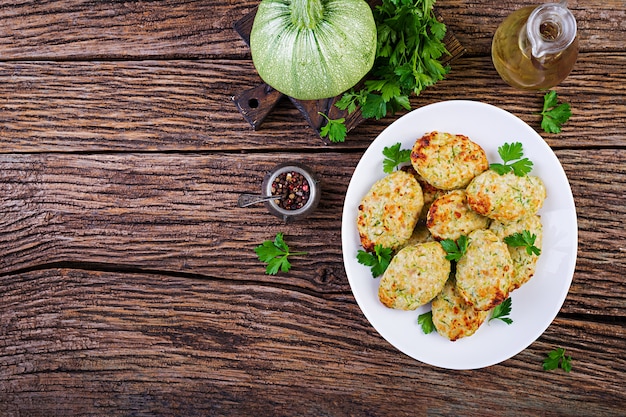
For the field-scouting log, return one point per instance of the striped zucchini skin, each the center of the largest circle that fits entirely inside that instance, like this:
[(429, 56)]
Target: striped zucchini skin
[(320, 61)]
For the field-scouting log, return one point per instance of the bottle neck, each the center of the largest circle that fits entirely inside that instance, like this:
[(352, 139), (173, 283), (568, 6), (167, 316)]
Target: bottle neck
[(550, 29)]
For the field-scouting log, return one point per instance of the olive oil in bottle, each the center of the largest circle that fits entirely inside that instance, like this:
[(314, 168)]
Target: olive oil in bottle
[(536, 47)]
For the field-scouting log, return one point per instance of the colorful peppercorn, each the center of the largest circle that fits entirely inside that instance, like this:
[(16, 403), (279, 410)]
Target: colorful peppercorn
[(294, 189)]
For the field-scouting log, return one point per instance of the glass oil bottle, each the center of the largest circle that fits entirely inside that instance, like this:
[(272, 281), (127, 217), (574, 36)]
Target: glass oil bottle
[(536, 47)]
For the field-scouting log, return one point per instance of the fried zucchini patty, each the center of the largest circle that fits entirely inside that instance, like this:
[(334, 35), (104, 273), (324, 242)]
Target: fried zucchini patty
[(448, 161), (453, 317), (389, 211), (483, 274), (505, 197), (414, 277)]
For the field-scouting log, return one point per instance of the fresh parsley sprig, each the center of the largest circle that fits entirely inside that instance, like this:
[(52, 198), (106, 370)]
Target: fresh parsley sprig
[(557, 359), (455, 250), (395, 156), (512, 156), (524, 239), (334, 129), (275, 254), (501, 311), (554, 115), (377, 261), (425, 321)]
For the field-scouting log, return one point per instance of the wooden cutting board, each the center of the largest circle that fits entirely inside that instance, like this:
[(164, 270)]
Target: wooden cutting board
[(256, 103)]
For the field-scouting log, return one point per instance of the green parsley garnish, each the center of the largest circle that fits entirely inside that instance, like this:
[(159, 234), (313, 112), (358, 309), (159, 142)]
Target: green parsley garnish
[(426, 322), (554, 115), (335, 129), (454, 249), (377, 261), (275, 254), (511, 154), (395, 156), (556, 358), (410, 43), (524, 239), (502, 310)]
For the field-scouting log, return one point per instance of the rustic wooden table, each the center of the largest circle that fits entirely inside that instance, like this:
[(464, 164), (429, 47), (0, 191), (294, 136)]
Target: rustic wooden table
[(128, 279)]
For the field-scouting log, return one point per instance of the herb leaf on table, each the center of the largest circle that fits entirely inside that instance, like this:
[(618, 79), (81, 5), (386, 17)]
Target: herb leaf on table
[(334, 129), (556, 358), (554, 115), (275, 254)]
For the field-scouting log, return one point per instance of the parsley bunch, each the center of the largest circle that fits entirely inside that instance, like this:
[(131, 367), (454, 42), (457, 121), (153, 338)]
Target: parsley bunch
[(410, 44)]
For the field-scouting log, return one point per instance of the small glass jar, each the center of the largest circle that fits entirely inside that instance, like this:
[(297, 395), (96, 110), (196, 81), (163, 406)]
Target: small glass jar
[(304, 182)]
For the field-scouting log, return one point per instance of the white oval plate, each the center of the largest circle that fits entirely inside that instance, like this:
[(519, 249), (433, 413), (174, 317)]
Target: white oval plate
[(534, 305)]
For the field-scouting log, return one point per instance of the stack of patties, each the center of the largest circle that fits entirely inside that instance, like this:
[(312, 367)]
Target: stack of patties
[(449, 192)]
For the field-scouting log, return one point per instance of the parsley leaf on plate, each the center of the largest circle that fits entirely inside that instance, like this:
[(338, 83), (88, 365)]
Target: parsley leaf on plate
[(377, 261), (426, 322), (524, 239), (511, 154), (554, 115), (275, 254), (501, 311), (455, 250), (395, 156), (556, 358)]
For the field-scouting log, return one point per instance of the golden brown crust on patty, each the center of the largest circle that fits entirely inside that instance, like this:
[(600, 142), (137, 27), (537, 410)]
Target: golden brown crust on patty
[(450, 217), (453, 317), (389, 211), (505, 197), (448, 161)]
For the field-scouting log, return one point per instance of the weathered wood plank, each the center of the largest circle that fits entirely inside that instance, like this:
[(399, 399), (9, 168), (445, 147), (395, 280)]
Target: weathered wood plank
[(178, 214), (87, 30), (600, 27), (77, 342), (187, 106)]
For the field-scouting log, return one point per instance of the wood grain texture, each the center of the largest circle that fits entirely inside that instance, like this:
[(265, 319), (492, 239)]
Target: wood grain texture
[(87, 30), (128, 278), (78, 343), (178, 213), (187, 106), (600, 24)]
